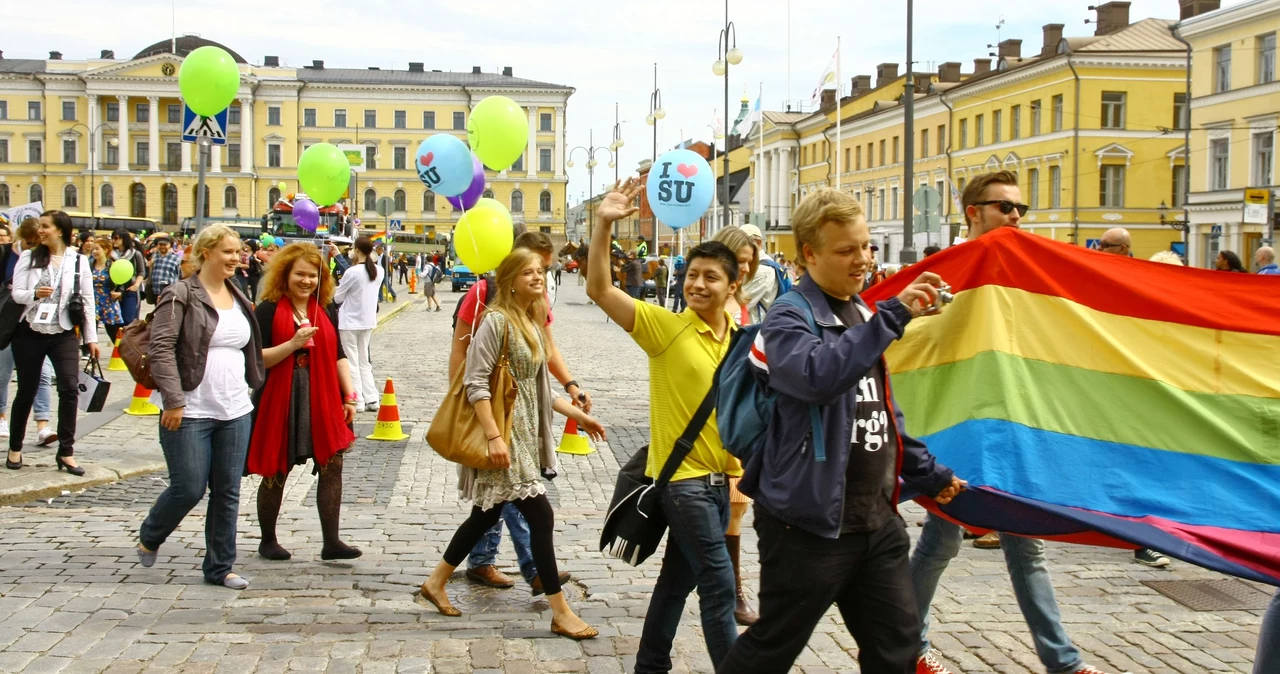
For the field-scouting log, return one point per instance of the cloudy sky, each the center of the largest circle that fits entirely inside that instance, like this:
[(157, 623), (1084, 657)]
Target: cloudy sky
[(603, 48)]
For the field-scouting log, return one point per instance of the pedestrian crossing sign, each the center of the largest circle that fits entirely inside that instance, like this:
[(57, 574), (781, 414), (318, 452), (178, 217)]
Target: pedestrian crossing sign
[(195, 127)]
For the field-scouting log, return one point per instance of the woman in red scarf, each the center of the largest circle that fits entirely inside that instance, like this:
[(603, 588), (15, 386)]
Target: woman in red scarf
[(306, 408)]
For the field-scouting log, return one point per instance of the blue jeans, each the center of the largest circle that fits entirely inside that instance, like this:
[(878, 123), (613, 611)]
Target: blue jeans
[(129, 306), (940, 542), (696, 557), (1267, 659), (202, 453), (485, 553), (44, 396)]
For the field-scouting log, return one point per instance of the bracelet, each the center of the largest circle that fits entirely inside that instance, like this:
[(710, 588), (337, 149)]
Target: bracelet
[(571, 382), (351, 397), (494, 438), (348, 402)]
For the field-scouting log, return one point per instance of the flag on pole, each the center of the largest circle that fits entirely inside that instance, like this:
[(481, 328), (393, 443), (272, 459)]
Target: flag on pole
[(827, 79), (755, 107)]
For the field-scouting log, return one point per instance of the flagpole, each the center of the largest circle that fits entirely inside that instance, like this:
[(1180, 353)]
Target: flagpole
[(839, 91), (764, 217)]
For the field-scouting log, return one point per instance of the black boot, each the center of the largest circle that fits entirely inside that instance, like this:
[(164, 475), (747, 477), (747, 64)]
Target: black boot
[(742, 611), (329, 503), (270, 496)]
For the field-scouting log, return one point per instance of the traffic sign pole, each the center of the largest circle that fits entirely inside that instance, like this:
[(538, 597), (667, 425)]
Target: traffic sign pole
[(204, 144)]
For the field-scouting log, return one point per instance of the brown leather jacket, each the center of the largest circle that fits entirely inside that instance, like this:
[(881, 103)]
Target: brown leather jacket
[(181, 329)]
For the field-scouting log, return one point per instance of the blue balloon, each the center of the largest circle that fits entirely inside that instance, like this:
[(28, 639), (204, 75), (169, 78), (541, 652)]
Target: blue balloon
[(444, 165), (680, 188), (279, 242)]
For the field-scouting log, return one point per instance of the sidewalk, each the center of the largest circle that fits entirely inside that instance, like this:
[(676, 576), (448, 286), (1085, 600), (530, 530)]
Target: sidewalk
[(110, 444)]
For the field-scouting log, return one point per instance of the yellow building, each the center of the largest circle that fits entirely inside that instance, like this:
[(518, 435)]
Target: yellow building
[(104, 135), (1088, 124), (1235, 109)]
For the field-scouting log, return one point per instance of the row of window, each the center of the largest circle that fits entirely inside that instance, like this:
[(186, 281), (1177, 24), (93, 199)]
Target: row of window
[(1264, 67), (1261, 166), (429, 200)]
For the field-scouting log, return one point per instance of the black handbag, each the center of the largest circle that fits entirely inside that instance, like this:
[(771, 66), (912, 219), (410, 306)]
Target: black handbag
[(10, 315), (635, 525), (75, 303)]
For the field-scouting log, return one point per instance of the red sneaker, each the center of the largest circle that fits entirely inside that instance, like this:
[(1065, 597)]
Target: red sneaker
[(927, 664)]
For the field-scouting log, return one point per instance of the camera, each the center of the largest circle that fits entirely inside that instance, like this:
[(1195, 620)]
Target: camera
[(944, 297)]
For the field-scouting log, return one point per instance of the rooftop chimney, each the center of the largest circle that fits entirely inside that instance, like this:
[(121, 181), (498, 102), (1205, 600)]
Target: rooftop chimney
[(861, 85), (374, 68), (1010, 48), (107, 54), (271, 61), (55, 56), (828, 98), (416, 67), (506, 71), (886, 73), (981, 66), (317, 65), (475, 70), (1112, 17), (1192, 8), (1052, 36), (949, 71), (1, 55)]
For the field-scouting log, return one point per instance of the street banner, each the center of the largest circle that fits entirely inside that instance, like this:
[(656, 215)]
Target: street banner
[(17, 214), (1085, 402)]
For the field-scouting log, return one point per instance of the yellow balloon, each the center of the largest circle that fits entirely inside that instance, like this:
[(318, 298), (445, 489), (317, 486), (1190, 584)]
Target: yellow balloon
[(484, 236), (282, 186)]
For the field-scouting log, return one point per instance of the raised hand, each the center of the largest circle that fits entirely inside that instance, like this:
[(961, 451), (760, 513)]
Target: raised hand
[(617, 204)]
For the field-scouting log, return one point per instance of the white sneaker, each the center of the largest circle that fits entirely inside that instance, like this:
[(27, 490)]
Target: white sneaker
[(4, 427), (46, 436)]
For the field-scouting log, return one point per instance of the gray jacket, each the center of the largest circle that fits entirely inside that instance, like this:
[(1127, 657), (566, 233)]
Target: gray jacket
[(181, 329)]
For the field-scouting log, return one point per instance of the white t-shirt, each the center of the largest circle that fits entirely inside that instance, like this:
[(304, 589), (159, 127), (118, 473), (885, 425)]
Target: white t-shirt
[(359, 298), (223, 394)]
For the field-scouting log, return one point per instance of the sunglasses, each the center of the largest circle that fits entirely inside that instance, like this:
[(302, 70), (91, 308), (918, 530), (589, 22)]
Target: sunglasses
[(1006, 207)]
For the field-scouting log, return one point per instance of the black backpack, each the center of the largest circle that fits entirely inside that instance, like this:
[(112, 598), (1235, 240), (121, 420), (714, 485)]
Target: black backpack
[(490, 290)]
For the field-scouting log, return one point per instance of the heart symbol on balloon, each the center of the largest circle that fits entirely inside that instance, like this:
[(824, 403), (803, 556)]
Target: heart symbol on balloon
[(687, 170), (426, 159)]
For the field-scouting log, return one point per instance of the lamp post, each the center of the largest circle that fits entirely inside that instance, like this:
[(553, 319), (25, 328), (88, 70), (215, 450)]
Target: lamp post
[(727, 54), (655, 113), (591, 169), (93, 154), (1179, 225), (617, 142)]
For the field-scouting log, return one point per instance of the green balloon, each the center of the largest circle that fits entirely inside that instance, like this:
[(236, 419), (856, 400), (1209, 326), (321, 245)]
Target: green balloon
[(121, 272), (498, 132), (323, 173), (209, 79)]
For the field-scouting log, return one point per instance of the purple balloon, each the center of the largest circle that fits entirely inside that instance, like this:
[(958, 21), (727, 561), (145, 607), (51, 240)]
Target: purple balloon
[(306, 214), (469, 198)]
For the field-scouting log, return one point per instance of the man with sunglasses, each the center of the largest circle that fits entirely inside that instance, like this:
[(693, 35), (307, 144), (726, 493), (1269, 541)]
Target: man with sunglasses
[(1116, 242), (990, 202)]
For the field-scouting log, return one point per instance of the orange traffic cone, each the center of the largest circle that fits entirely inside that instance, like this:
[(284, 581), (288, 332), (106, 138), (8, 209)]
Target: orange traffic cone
[(413, 282), (116, 364), (141, 405), (572, 442), (388, 424)]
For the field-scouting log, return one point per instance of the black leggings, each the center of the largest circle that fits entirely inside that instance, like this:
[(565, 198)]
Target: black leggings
[(537, 512), (30, 348)]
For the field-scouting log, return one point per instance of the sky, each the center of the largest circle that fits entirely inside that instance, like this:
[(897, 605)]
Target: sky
[(605, 50)]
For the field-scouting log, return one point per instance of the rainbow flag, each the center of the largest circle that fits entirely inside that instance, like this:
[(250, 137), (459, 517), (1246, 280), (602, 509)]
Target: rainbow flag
[(380, 237), (1099, 399)]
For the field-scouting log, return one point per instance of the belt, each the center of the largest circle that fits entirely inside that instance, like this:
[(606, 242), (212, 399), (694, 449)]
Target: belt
[(713, 479)]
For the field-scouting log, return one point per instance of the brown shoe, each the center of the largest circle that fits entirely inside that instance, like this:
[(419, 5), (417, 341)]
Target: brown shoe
[(444, 607), (536, 585), (990, 541), (491, 576), (586, 633), (743, 614)]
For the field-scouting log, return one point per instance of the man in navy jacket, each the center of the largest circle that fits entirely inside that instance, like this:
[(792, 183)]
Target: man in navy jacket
[(827, 515)]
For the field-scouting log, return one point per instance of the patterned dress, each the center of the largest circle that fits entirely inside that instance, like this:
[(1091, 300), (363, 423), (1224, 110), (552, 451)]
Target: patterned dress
[(523, 478), (108, 309)]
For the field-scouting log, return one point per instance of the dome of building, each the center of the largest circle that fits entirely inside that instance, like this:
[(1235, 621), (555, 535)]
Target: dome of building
[(183, 46)]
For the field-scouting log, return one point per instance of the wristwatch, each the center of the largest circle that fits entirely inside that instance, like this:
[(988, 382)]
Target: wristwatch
[(571, 382)]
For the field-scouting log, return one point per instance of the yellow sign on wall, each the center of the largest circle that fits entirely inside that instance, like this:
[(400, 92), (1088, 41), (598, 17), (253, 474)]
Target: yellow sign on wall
[(1257, 203)]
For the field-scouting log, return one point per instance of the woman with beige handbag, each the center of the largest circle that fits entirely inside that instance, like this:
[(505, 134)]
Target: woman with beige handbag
[(508, 351)]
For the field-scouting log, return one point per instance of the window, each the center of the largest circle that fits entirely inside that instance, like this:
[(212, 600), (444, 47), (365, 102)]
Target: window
[(1267, 59), (1181, 112), (273, 195), (68, 152), (893, 208), (33, 110), (233, 154), (460, 120), (398, 158), (68, 111), (979, 131), (1112, 187), (1015, 122), (881, 200), (370, 200), (544, 202), (401, 119), (107, 196), (942, 189), (1057, 112), (195, 198), (138, 201), (142, 152), (1219, 163), (519, 165), (1035, 118), (517, 202), (233, 115), (142, 112), (370, 157), (4, 150), (544, 119), (847, 165), (857, 158), (429, 201), (340, 118), (428, 120), (1055, 187), (1222, 69), (169, 203), (4, 113), (942, 139), (273, 155), (308, 117), (175, 114), (1033, 188), (229, 197), (1264, 145), (173, 156), (35, 193), (1112, 110), (113, 155), (964, 134), (997, 124), (273, 115), (113, 111), (4, 194), (924, 142), (370, 119), (882, 153), (399, 199), (544, 159), (70, 197), (1179, 186), (34, 154), (895, 149)]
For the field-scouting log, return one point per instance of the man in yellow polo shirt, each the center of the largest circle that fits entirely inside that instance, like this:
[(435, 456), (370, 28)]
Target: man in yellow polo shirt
[(684, 350)]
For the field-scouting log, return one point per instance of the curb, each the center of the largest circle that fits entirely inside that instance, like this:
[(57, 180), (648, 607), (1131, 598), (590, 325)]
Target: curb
[(383, 318)]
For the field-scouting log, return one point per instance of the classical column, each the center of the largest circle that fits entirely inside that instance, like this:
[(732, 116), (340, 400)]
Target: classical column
[(531, 157), (153, 129), (215, 158), (246, 135), (186, 157), (775, 188), (762, 186), (557, 157), (125, 151), (785, 213)]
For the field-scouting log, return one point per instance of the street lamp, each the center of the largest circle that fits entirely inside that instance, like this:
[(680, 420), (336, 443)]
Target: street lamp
[(617, 142), (591, 169), (727, 54), (1180, 225), (93, 155)]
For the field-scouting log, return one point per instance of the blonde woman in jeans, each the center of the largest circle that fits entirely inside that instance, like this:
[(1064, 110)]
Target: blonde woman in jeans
[(206, 357)]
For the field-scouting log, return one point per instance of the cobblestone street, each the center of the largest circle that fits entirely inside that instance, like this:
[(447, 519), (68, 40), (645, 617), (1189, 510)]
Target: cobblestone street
[(74, 599)]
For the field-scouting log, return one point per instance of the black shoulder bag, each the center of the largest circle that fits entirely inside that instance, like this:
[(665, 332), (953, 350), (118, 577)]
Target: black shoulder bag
[(636, 524), (75, 304)]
